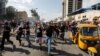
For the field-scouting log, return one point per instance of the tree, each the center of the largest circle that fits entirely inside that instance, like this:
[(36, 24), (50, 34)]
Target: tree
[(35, 14), (3, 8), (10, 12)]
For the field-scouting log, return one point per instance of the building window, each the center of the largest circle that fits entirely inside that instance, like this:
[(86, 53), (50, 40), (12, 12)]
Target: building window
[(98, 7), (94, 8)]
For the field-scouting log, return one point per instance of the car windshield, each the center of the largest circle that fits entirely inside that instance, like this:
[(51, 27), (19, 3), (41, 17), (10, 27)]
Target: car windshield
[(89, 31)]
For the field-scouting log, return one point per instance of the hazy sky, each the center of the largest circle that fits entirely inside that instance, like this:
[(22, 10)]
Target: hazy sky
[(87, 3), (47, 9)]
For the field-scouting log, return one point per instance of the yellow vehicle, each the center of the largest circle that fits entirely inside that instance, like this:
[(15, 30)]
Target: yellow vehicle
[(87, 38)]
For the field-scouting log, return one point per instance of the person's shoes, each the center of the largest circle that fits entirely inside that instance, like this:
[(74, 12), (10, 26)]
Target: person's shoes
[(14, 47), (45, 44), (63, 39), (49, 54), (40, 47), (1, 53), (54, 44), (2, 49), (21, 44), (54, 41), (29, 46)]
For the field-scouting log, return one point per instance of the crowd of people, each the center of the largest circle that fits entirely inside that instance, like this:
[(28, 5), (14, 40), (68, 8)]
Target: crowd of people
[(11, 26), (50, 30)]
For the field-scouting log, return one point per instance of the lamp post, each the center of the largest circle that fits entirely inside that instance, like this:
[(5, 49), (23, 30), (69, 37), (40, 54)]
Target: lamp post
[(63, 9)]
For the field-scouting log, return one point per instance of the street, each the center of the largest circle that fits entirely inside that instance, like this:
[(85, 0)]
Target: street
[(61, 48), (37, 27)]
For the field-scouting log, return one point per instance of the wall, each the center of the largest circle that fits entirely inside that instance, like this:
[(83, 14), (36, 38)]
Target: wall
[(22, 15)]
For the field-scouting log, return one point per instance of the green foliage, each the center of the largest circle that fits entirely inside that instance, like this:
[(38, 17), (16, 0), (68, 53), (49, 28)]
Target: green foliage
[(35, 14), (10, 12)]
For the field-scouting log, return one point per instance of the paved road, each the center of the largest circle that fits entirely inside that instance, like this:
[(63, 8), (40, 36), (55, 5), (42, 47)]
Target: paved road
[(61, 48)]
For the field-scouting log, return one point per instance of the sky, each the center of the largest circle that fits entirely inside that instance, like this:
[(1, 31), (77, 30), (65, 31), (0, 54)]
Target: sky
[(87, 3), (47, 9)]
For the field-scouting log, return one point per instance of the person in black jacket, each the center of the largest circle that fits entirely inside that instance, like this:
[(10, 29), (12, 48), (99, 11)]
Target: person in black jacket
[(49, 32), (13, 25), (62, 28), (39, 34), (6, 36), (27, 29), (57, 30), (19, 35), (74, 28)]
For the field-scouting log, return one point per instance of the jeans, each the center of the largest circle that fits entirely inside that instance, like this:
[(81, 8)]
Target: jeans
[(49, 44), (28, 39)]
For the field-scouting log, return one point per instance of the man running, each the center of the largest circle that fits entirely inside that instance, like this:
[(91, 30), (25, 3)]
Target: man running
[(6, 36), (27, 29), (49, 33), (39, 34), (19, 35)]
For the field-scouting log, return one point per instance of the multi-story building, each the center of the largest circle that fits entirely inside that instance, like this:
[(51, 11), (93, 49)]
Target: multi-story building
[(86, 13), (70, 6), (22, 15)]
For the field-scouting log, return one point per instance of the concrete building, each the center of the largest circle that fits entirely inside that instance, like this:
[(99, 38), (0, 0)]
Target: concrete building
[(22, 15), (70, 6), (86, 13)]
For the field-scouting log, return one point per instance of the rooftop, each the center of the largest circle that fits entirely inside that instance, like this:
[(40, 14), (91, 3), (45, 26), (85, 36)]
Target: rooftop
[(82, 10)]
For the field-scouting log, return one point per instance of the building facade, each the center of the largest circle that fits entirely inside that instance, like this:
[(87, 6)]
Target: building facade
[(22, 15), (70, 6), (89, 15), (86, 13)]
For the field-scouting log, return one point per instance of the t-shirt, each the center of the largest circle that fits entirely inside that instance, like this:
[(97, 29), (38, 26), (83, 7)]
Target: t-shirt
[(20, 31), (13, 24), (63, 28), (27, 30), (7, 30), (39, 32), (49, 31)]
